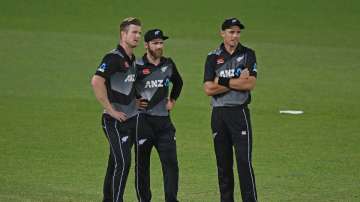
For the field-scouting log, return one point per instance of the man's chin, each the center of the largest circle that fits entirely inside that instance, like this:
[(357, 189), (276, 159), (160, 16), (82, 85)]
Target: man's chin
[(159, 54), (156, 54), (133, 45), (233, 44)]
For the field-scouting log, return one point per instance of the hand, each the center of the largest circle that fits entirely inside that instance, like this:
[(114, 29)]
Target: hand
[(216, 80), (142, 103), (120, 116), (170, 104), (244, 74)]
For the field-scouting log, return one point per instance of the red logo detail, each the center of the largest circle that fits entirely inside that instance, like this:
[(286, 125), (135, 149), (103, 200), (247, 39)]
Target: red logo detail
[(146, 71), (126, 64), (220, 61)]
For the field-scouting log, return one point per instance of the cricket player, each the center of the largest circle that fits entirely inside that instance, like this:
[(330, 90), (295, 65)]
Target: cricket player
[(154, 127), (113, 85), (229, 76)]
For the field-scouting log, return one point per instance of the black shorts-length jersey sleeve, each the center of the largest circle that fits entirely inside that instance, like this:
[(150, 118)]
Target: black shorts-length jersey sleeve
[(177, 82), (251, 63), (109, 64), (209, 71)]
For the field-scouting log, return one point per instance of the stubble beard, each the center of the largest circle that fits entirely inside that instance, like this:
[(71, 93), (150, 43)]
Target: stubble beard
[(156, 54)]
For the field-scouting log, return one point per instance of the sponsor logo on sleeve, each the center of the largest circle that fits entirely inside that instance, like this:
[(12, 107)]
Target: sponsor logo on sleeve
[(102, 67)]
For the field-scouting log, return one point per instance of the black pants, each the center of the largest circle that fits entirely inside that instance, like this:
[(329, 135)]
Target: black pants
[(121, 138), (232, 129), (156, 131)]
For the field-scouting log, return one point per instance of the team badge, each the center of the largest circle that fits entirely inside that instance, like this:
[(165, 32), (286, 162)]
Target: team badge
[(240, 58), (163, 69), (126, 64)]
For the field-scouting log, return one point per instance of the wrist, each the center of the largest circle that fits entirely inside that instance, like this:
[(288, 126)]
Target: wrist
[(224, 81), (110, 110)]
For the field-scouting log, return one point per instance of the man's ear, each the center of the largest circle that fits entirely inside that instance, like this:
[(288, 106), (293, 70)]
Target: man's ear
[(122, 34), (222, 33)]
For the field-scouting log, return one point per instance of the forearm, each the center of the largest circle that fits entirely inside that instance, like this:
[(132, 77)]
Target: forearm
[(211, 88), (100, 92), (243, 83)]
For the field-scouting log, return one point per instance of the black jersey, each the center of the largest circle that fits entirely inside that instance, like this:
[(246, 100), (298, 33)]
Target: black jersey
[(220, 63), (153, 83), (119, 71)]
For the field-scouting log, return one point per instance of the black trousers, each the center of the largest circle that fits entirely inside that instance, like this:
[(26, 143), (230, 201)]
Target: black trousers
[(157, 131), (231, 129), (120, 137)]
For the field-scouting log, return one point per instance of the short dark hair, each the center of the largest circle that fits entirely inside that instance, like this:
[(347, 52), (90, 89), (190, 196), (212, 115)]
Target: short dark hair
[(129, 21)]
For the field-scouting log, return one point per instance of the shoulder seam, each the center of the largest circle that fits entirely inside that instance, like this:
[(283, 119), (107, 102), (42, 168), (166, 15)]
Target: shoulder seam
[(215, 52), (116, 52)]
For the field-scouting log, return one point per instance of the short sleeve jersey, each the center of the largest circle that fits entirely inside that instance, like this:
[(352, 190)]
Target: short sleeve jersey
[(153, 84), (220, 63), (119, 72)]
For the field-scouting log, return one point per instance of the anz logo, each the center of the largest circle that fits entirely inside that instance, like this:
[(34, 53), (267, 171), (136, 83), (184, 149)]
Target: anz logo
[(130, 78), (157, 83), (230, 73)]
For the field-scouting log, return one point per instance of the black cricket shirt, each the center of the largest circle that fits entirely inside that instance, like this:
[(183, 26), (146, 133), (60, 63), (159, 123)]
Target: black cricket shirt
[(119, 72), (153, 84), (220, 63)]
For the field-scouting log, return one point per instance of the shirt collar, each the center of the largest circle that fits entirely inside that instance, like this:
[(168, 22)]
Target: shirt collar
[(122, 51), (146, 61), (239, 49)]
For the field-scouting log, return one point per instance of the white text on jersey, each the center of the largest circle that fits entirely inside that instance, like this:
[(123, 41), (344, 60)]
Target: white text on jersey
[(154, 84), (130, 78), (227, 73)]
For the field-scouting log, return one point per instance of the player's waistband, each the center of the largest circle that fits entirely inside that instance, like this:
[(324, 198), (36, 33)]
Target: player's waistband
[(243, 106)]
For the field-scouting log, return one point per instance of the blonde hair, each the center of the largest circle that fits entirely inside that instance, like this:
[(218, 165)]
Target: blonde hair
[(124, 25)]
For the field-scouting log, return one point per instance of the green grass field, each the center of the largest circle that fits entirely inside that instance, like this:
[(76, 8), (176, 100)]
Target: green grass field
[(52, 147)]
